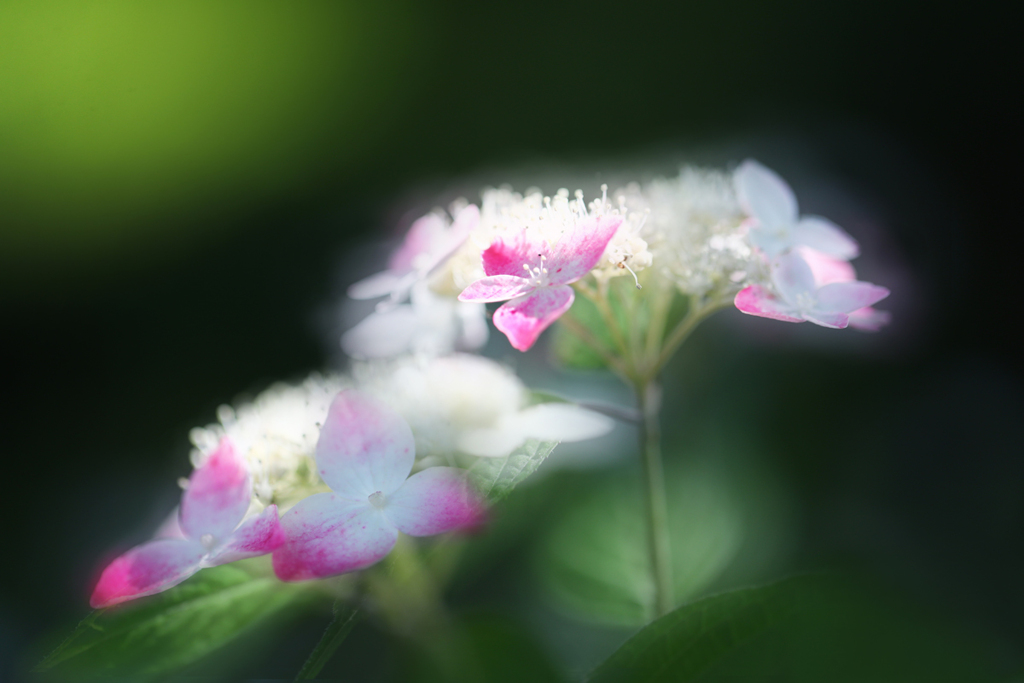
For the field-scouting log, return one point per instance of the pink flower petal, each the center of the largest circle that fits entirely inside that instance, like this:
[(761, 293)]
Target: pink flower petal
[(423, 234), (792, 277), (846, 297), (497, 288), (580, 248), (523, 319), (217, 496), (764, 195), (836, 321), (825, 236), (827, 269), (364, 447), (434, 501), (147, 569), (509, 257), (256, 536), (328, 535), (756, 300), (869, 319)]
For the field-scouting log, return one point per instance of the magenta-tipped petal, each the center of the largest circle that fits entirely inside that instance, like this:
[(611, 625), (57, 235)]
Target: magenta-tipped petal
[(825, 236), (258, 535), (434, 501), (496, 288), (580, 248), (523, 319), (147, 569), (364, 446), (217, 496), (507, 257), (756, 300), (327, 535)]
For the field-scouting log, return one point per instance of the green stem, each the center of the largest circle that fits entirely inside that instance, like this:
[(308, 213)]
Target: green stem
[(697, 313), (600, 299), (655, 503), (337, 631)]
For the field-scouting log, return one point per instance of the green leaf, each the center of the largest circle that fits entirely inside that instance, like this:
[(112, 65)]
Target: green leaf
[(337, 631), (594, 560), (496, 477), (681, 645), (152, 636)]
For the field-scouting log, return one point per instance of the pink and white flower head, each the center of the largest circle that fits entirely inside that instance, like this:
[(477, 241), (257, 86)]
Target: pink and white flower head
[(365, 454), (774, 220), (798, 298), (431, 240), (534, 275), (828, 269), (211, 516)]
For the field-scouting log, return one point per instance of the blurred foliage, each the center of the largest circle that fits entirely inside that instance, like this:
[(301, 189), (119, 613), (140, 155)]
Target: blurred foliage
[(126, 125), (594, 559), (153, 636), (804, 629), (493, 649), (684, 643), (495, 478)]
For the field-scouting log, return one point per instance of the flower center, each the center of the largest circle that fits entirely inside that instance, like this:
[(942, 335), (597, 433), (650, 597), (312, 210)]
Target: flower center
[(377, 499), (538, 274), (207, 540), (805, 301)]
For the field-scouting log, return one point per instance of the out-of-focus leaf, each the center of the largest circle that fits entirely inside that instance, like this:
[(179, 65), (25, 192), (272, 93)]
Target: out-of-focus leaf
[(594, 561), (488, 648), (496, 477), (803, 630), (156, 635), (681, 645)]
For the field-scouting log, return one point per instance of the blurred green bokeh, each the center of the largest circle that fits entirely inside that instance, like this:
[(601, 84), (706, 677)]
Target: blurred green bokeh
[(124, 123)]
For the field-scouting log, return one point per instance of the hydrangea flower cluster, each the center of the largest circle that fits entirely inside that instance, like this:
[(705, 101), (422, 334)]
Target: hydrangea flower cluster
[(351, 462), (707, 233)]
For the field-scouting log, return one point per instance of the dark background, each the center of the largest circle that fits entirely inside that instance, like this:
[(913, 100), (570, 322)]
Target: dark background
[(113, 354)]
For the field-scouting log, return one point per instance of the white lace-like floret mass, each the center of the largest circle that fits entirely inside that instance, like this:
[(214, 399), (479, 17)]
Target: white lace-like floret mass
[(695, 231), (276, 434)]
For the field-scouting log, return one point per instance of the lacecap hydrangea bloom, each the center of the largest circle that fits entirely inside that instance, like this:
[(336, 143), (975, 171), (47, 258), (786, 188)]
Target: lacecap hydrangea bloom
[(793, 293), (365, 454)]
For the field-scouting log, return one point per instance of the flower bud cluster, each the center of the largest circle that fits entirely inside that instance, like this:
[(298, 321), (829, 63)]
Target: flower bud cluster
[(696, 231), (276, 434)]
